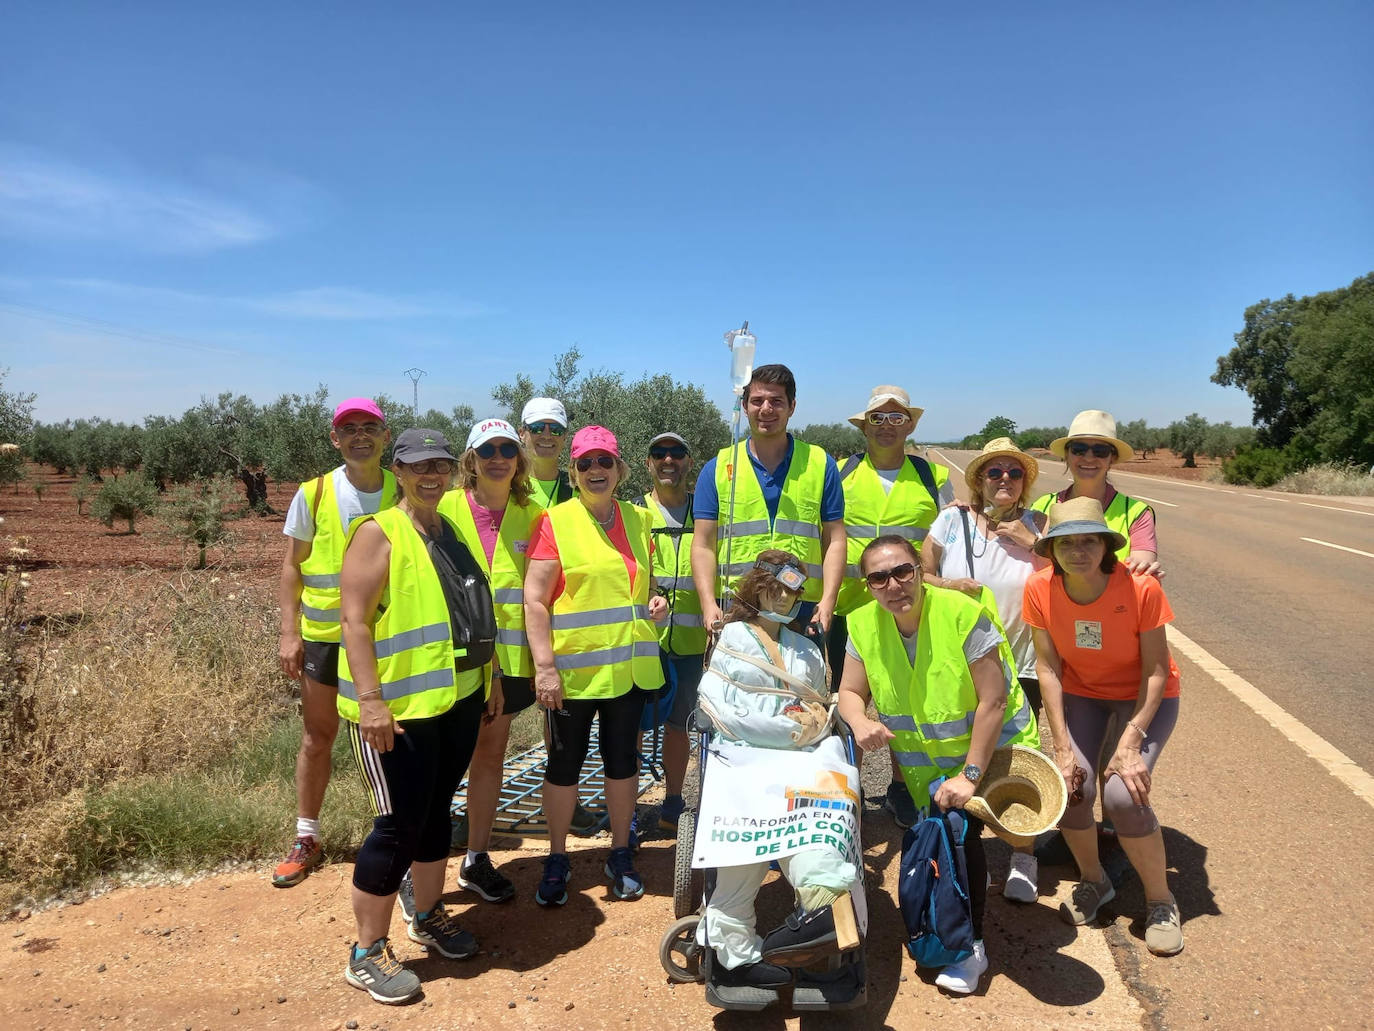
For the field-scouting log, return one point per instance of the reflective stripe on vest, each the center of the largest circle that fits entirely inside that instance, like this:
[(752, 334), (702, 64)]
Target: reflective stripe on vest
[(319, 605), (929, 705), (870, 512), (505, 573), (412, 637), (796, 526), (1119, 516), (603, 641), (682, 633)]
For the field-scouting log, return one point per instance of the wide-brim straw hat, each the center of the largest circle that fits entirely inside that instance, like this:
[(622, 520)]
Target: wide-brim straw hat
[(1020, 795), (880, 396), (1002, 447), (1094, 425), (1077, 515)]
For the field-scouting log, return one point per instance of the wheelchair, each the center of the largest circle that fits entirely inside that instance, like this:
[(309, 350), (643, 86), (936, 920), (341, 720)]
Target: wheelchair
[(839, 983)]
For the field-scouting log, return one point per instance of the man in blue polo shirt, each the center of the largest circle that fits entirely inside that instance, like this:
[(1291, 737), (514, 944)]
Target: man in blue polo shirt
[(788, 496)]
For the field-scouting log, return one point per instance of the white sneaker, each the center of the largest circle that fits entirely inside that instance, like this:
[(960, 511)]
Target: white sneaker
[(962, 978), (1022, 879)]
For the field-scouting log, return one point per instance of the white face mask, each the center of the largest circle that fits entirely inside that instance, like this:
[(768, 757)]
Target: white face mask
[(782, 617)]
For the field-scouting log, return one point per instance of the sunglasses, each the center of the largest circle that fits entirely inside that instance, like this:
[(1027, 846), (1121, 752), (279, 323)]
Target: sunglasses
[(430, 465), (890, 418), (903, 574), (352, 429), (673, 451), (1079, 449), (508, 449), (605, 461), (546, 427), (997, 472)]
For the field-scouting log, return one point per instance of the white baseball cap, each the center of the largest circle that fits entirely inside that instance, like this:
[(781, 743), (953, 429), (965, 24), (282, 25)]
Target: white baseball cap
[(491, 429), (544, 409)]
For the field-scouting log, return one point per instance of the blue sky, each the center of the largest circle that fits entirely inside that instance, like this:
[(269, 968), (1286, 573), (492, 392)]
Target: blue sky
[(1009, 208)]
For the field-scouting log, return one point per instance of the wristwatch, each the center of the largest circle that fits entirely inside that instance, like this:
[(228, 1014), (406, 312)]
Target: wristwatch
[(973, 774)]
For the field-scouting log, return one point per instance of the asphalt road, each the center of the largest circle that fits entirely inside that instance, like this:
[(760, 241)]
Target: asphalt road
[(1294, 618)]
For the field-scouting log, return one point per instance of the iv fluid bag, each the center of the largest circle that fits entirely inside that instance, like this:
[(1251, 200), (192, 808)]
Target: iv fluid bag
[(741, 358)]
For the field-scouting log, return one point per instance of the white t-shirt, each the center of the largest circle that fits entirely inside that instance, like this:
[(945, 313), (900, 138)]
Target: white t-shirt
[(352, 504), (982, 639), (998, 564)]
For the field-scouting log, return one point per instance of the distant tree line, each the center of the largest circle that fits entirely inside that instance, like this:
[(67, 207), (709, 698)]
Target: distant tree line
[(1188, 437)]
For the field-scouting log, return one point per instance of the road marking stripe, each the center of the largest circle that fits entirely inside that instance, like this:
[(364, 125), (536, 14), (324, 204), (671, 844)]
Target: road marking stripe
[(1333, 508), (1154, 501), (951, 462), (1338, 547), (1336, 762), (1263, 497)]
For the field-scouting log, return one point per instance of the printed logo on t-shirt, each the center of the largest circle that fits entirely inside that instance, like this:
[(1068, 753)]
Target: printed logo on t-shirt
[(1119, 609), (522, 546), (1087, 633)]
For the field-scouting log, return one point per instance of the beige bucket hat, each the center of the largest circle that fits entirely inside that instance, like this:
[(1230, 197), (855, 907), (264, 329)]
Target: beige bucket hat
[(1002, 447), (1077, 515), (1097, 426), (881, 395), (1021, 794)]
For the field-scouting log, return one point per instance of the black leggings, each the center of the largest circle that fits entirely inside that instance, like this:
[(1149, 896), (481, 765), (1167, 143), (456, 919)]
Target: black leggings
[(570, 732), (412, 791), (977, 861)]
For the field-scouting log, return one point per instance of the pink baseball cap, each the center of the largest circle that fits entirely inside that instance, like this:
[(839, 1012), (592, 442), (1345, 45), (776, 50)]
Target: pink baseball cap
[(593, 438), (358, 404)]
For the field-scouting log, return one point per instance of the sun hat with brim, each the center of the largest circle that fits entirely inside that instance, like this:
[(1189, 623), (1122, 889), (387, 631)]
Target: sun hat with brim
[(1077, 515), (1020, 795), (880, 396), (594, 438), (1002, 447), (420, 445), (491, 429), (1094, 425)]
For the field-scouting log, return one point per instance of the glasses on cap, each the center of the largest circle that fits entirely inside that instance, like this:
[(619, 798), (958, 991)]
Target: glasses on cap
[(888, 418), (903, 574), (996, 472), (1078, 449), (605, 461), (508, 449), (546, 427), (661, 451)]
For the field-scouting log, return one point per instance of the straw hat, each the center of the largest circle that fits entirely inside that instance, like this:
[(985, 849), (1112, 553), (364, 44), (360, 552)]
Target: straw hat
[(1077, 515), (1094, 425), (1021, 794), (880, 396), (996, 448)]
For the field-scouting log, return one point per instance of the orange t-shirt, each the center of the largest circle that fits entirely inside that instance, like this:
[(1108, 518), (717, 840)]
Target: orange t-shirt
[(1099, 643), (544, 546)]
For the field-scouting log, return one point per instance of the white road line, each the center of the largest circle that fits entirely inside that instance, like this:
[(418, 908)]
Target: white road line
[(1263, 497), (1155, 501), (1338, 547), (1333, 508), (1336, 762), (952, 462)]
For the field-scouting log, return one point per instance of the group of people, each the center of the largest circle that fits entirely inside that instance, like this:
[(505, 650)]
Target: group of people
[(957, 623)]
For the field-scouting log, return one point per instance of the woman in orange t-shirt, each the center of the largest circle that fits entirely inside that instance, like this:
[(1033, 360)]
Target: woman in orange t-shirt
[(1101, 654)]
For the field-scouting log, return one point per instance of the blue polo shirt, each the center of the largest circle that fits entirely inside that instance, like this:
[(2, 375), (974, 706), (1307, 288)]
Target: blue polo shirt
[(707, 502)]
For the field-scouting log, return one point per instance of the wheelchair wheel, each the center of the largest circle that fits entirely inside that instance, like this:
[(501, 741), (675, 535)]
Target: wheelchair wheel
[(686, 897), (679, 952)]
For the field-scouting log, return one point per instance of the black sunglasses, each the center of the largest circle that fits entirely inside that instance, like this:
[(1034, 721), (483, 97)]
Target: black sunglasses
[(546, 427), (659, 453), (902, 574), (508, 449), (605, 461), (997, 472), (1079, 449)]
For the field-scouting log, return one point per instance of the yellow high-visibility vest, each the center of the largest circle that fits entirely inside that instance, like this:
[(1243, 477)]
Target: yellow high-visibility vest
[(1119, 516), (683, 632)]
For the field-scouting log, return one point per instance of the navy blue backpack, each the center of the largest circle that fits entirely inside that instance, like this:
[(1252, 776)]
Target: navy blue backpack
[(933, 890)]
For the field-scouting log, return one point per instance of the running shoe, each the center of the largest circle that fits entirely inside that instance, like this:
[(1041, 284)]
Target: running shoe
[(1086, 900), (1164, 929), (898, 802), (487, 881), (304, 856), (440, 932), (584, 822), (405, 895), (626, 884), (670, 813), (962, 978), (380, 974), (553, 888)]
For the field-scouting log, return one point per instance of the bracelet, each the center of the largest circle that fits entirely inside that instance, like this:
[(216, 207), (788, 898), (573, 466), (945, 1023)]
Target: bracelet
[(369, 694), (1136, 727)]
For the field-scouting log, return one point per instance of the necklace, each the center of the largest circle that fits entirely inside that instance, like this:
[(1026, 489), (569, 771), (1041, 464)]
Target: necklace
[(606, 523)]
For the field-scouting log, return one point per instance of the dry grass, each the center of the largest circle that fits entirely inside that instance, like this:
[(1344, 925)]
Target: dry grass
[(1332, 479)]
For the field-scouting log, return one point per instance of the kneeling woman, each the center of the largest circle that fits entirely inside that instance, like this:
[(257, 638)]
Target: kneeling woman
[(413, 705), (943, 680), (766, 688)]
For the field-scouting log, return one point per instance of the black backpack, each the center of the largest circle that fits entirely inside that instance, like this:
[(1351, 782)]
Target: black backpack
[(471, 615)]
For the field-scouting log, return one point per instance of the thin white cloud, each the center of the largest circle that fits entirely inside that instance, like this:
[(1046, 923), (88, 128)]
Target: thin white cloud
[(47, 198)]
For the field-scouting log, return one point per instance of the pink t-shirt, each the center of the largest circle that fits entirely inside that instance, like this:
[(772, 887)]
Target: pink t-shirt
[(543, 546), (1142, 530), (488, 522)]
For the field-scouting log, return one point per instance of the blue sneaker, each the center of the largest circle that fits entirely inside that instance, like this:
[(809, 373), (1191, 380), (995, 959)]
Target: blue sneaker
[(553, 889), (671, 811), (625, 882)]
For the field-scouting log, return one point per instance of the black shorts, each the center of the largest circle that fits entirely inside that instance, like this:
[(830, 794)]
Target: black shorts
[(322, 662), (518, 693)]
